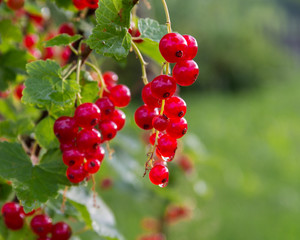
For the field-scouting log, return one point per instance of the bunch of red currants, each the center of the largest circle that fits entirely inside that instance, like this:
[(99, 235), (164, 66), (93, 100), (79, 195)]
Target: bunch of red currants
[(82, 4)]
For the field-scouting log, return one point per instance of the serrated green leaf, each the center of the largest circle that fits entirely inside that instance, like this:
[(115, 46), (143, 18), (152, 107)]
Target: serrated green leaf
[(151, 29), (45, 86), (11, 129), (33, 185), (110, 37), (151, 49), (62, 40), (44, 133), (89, 92)]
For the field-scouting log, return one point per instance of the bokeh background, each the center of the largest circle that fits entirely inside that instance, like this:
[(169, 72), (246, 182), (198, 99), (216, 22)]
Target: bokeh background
[(244, 127)]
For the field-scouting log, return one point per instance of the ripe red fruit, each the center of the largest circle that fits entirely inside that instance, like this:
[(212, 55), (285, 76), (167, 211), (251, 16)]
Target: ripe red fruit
[(106, 183), (15, 223), (175, 107), (177, 127), (110, 78), (72, 157), (67, 145), (143, 117), (44, 238), (66, 28), (185, 72), (92, 3), (160, 123), (79, 4), (26, 214), (120, 95), (48, 53), (167, 146), (153, 136), (106, 107), (159, 175), (119, 118), (108, 130), (163, 86), (148, 97), (30, 40), (19, 91), (87, 115), (192, 47), (10, 210), (172, 47), (92, 166), (98, 153), (65, 129), (61, 231), (66, 53), (41, 225), (76, 174), (4, 94), (134, 32), (88, 140), (15, 4)]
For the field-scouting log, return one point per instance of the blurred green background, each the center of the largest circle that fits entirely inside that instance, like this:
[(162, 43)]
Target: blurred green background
[(244, 131)]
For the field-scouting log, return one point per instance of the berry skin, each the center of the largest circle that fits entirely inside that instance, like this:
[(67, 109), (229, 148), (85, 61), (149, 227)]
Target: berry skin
[(30, 41), (148, 97), (177, 127), (48, 53), (15, 223), (67, 145), (185, 72), (72, 157), (160, 123), (92, 3), (108, 130), (175, 107), (106, 107), (15, 4), (19, 91), (88, 140), (163, 86), (153, 136), (79, 4), (92, 166), (61, 231), (10, 210), (143, 117), (66, 54), (76, 174), (65, 129), (120, 95), (41, 225), (192, 48), (66, 28), (87, 115), (159, 175), (119, 118), (98, 154), (44, 238), (172, 47), (167, 146), (110, 78)]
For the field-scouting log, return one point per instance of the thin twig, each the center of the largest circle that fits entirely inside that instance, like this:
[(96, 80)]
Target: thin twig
[(142, 61)]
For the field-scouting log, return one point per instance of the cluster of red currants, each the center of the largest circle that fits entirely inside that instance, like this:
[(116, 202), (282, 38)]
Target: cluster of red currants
[(82, 4), (158, 96), (41, 224), (93, 123)]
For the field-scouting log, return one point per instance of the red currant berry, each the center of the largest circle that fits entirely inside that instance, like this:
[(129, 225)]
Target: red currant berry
[(30, 40), (110, 78), (66, 28), (160, 123), (61, 231), (148, 97), (106, 107), (79, 4), (92, 3), (4, 94), (26, 214), (163, 86), (72, 157), (15, 223), (98, 153), (76, 174), (143, 117), (67, 145), (192, 47), (120, 95), (153, 136), (41, 225), (134, 32), (167, 145), (19, 91), (186, 72), (65, 129), (175, 107), (159, 175), (66, 54), (88, 140), (15, 4), (92, 166), (10, 210), (48, 53), (119, 118), (87, 115), (177, 127), (106, 183), (108, 130), (44, 238), (172, 47)]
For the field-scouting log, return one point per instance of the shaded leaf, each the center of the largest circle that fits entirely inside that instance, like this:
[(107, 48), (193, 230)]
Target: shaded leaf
[(44, 133), (151, 29), (11, 129), (151, 49), (62, 40)]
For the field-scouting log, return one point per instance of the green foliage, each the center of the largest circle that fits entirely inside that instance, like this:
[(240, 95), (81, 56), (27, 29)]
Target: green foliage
[(44, 134), (62, 40), (12, 129), (151, 29)]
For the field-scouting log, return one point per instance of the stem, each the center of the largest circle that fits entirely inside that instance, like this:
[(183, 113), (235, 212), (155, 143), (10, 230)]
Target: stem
[(94, 192), (73, 49), (70, 72), (167, 68), (78, 78), (142, 61), (63, 204), (98, 71), (167, 16)]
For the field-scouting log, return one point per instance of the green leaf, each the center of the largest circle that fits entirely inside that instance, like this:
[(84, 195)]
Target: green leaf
[(45, 135), (45, 86), (151, 49), (151, 29), (89, 92), (62, 40), (9, 31), (84, 213), (24, 233), (110, 37), (11, 129), (33, 185)]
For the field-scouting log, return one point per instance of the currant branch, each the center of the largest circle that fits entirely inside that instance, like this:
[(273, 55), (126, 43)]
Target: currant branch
[(142, 61)]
